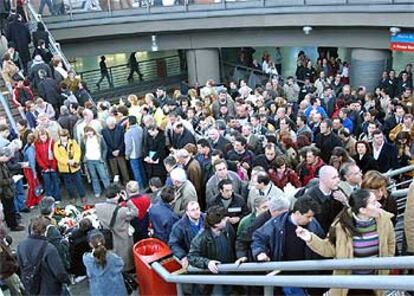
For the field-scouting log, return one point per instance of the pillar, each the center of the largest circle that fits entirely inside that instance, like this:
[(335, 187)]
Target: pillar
[(203, 64), (367, 66)]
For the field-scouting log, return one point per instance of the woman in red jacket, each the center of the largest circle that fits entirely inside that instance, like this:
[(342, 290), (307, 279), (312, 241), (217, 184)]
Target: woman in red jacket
[(280, 174), (47, 163)]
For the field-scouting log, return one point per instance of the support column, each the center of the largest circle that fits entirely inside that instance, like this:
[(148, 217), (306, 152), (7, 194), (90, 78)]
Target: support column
[(203, 64), (367, 66)]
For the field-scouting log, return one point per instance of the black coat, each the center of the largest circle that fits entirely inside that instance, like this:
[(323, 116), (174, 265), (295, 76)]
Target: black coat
[(366, 163), (19, 33), (222, 144), (40, 34), (34, 73), (78, 245), (237, 207), (156, 145), (114, 140), (326, 144), (53, 273), (387, 158), (180, 140), (48, 90)]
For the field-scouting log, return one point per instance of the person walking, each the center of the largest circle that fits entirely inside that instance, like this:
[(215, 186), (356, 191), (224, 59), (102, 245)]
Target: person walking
[(133, 67), (103, 267), (104, 73)]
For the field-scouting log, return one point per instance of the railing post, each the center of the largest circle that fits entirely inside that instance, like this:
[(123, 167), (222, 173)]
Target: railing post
[(111, 78), (180, 291)]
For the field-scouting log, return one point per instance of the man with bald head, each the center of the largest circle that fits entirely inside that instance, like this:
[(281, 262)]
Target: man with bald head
[(326, 193)]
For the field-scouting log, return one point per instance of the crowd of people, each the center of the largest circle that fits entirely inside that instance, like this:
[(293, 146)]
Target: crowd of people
[(287, 170)]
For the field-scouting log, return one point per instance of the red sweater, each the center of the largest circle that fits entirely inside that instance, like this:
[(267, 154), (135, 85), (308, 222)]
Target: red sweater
[(42, 153)]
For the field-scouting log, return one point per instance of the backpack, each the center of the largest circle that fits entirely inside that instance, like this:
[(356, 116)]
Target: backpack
[(30, 274)]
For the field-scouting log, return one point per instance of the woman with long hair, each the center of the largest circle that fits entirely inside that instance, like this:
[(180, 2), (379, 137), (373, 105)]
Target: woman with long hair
[(363, 230), (377, 183), (103, 267), (363, 157)]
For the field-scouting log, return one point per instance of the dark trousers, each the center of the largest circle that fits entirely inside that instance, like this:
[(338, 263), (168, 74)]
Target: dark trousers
[(8, 209), (73, 184), (118, 165)]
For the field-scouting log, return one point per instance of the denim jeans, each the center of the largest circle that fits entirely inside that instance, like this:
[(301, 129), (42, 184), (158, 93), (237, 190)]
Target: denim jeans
[(97, 170), (51, 185), (19, 196), (49, 6), (73, 184), (138, 171)]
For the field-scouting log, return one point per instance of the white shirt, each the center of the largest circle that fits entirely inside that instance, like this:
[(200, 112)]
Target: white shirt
[(376, 152), (92, 149)]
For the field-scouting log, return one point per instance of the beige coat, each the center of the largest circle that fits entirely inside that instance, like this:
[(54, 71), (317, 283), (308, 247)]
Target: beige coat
[(409, 219), (344, 249), (122, 241)]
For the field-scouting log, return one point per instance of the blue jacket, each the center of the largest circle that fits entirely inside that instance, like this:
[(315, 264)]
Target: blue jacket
[(30, 157), (270, 238), (162, 218), (107, 280), (133, 137), (181, 236)]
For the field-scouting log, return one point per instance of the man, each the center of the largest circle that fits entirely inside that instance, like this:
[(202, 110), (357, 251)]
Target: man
[(181, 136), (162, 215), (203, 155), (184, 190), (213, 246), (52, 126), (326, 140), (223, 100), (217, 141), (113, 135), (52, 272), (240, 154), (104, 73), (311, 164), (7, 191), (133, 150), (394, 120), (34, 72), (221, 173), (44, 107), (348, 140), (326, 194), (405, 126), (253, 141), (265, 160), (351, 176), (263, 188), (193, 170), (302, 126), (384, 153), (233, 203), (277, 239), (291, 90), (184, 231)]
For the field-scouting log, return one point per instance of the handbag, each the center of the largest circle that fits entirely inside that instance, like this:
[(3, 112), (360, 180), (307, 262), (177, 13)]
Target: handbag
[(130, 282), (107, 233)]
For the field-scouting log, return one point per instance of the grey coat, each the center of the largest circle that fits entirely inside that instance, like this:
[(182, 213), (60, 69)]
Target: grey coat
[(183, 195), (123, 242), (212, 188)]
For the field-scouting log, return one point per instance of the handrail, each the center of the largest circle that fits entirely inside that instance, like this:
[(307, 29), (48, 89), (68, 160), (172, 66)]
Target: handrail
[(370, 282), (123, 65), (399, 171), (55, 46), (328, 264), (5, 104)]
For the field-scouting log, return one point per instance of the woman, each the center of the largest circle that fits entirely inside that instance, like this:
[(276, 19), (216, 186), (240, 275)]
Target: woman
[(30, 173), (281, 174), (94, 151), (154, 153), (404, 148), (363, 158), (10, 70), (68, 154), (364, 223), (135, 109), (46, 161), (103, 267), (377, 183), (339, 156)]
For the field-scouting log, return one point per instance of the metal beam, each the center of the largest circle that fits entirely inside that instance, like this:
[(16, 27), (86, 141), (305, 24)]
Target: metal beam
[(341, 282), (329, 264)]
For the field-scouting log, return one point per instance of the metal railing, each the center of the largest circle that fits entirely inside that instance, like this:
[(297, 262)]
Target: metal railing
[(73, 7), (151, 70), (371, 282)]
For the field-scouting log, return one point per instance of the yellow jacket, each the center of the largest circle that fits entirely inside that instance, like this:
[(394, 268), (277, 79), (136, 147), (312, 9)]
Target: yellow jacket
[(62, 156), (344, 249), (409, 219)]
